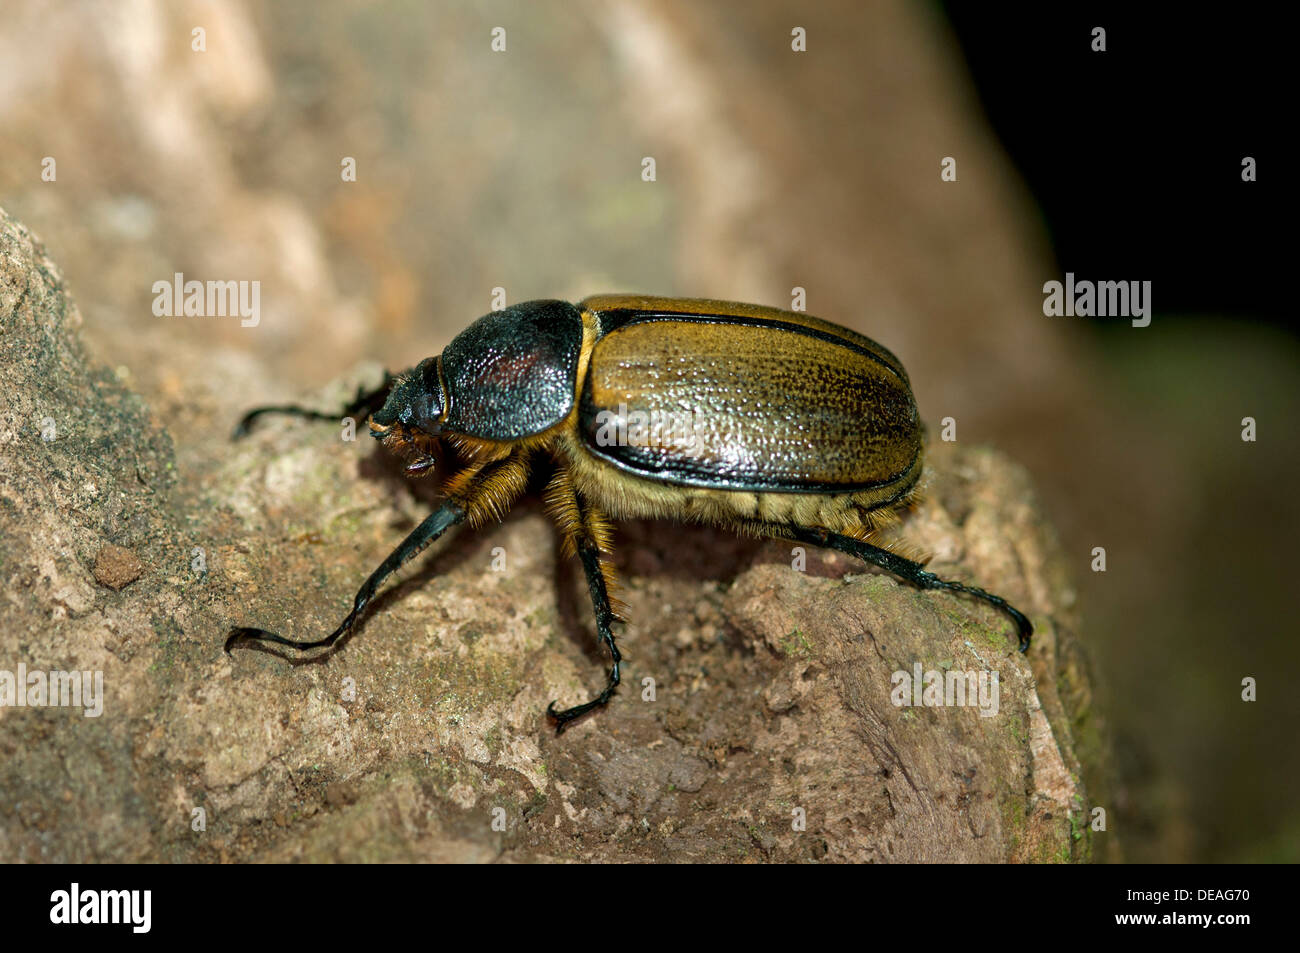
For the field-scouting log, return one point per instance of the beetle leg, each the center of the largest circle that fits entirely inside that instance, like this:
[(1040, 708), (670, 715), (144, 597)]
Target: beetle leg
[(905, 569), (434, 525), (487, 491), (587, 534), (364, 404)]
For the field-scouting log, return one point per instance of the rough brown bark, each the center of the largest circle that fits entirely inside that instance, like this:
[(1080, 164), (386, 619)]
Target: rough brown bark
[(772, 687)]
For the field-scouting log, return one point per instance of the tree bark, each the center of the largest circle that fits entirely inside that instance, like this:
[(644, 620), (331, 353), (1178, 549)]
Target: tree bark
[(755, 721)]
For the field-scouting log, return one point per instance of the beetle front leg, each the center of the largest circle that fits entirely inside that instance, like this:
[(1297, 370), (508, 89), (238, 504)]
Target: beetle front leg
[(364, 404), (586, 533), (434, 525), (905, 569), (476, 495)]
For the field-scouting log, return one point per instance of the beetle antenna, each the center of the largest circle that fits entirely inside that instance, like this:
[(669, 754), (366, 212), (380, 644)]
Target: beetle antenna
[(367, 401)]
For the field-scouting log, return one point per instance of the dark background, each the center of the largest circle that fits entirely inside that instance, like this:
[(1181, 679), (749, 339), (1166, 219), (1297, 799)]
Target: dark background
[(1134, 155), (1134, 158)]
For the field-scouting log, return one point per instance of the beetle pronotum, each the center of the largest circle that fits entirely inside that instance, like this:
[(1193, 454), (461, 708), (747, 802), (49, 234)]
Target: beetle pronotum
[(765, 421)]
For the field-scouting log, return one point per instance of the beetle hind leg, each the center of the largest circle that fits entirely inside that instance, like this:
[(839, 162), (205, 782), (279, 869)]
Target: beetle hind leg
[(586, 533), (365, 404), (904, 568)]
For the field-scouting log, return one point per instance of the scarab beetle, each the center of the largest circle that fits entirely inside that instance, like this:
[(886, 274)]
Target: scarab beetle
[(765, 421)]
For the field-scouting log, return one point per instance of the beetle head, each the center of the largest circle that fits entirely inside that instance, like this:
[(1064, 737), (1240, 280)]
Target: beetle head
[(411, 419)]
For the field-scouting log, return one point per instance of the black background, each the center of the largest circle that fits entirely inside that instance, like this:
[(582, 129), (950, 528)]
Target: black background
[(1135, 154)]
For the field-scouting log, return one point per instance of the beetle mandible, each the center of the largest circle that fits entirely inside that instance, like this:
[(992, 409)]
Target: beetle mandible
[(764, 421)]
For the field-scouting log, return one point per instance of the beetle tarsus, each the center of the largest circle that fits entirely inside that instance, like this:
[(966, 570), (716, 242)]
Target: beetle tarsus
[(245, 634), (906, 570), (1023, 626), (564, 718)]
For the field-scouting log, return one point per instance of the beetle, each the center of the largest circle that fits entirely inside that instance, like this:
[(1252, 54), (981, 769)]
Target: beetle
[(768, 422)]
